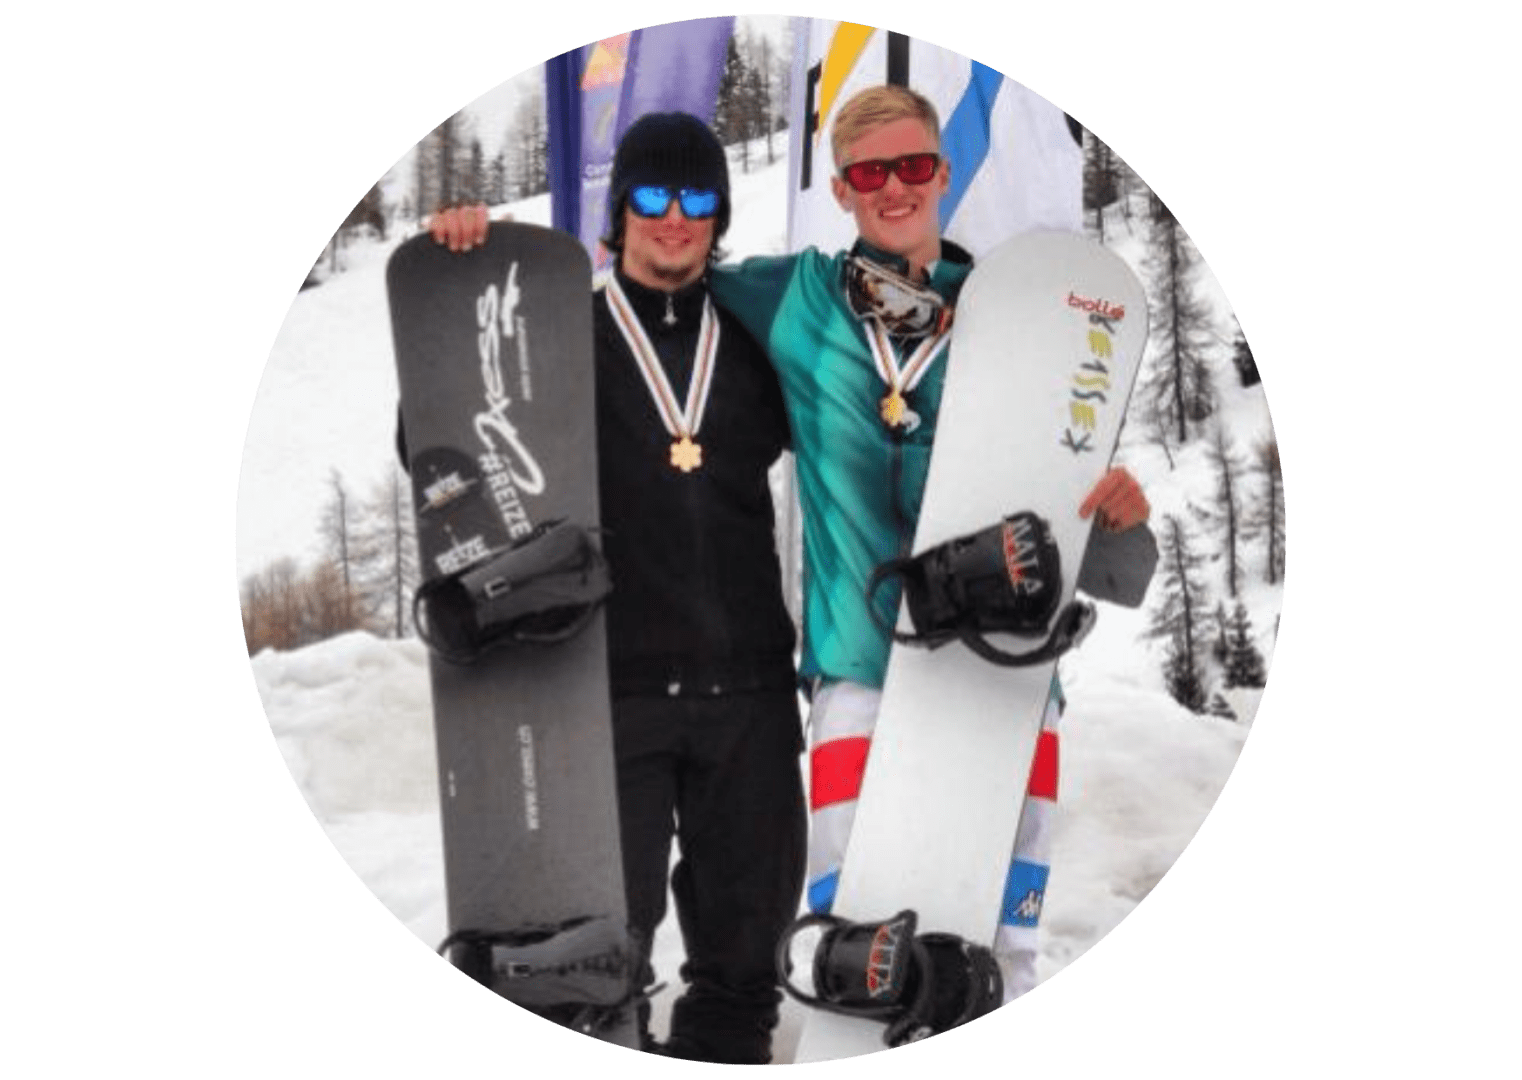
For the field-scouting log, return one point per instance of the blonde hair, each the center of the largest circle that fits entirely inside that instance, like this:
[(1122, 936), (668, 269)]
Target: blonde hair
[(876, 106)]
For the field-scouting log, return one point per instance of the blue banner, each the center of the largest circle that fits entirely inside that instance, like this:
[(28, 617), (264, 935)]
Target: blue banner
[(562, 98), (602, 82), (594, 93)]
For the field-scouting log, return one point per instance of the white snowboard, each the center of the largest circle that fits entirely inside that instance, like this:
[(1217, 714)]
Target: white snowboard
[(1050, 329)]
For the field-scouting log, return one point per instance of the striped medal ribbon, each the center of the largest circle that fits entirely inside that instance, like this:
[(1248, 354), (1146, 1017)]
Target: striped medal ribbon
[(901, 379), (682, 420)]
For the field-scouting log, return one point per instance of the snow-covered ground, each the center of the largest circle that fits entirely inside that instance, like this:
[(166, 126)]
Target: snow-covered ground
[(351, 717), (351, 714)]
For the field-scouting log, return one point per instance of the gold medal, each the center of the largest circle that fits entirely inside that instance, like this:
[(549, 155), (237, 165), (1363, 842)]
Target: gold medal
[(900, 379), (682, 419), (686, 454)]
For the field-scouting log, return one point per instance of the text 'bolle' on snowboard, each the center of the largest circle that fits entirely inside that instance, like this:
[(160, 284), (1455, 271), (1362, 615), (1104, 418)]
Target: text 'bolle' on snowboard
[(494, 359), (1048, 335)]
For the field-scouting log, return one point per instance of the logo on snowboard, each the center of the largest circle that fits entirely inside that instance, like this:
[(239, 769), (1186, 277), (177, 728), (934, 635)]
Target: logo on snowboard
[(1103, 308), (1021, 561), (444, 490), (462, 554), (1091, 380), (530, 776), (883, 957), (508, 465)]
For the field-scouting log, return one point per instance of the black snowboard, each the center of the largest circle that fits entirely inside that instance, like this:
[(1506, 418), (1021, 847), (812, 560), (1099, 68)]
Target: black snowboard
[(494, 361)]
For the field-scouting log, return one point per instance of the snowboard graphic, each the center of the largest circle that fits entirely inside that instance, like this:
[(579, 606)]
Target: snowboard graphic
[(494, 360), (1049, 333)]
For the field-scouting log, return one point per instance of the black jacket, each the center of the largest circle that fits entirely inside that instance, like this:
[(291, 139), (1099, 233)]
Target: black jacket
[(697, 602)]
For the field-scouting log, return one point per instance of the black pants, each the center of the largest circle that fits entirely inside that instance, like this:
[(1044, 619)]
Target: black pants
[(721, 775)]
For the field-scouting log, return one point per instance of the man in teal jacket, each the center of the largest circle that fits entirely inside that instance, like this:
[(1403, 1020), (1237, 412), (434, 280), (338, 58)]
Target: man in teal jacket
[(859, 341)]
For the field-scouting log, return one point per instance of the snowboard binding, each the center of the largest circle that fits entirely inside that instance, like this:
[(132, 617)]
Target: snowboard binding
[(918, 985), (579, 974), (1006, 578), (543, 589)]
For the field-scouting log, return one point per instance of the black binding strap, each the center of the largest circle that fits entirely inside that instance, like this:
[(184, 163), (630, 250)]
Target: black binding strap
[(541, 590), (916, 985), (579, 973), (1070, 627), (1006, 579), (962, 982)]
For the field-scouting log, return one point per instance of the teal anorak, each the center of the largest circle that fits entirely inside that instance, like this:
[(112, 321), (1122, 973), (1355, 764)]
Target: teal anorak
[(860, 483)]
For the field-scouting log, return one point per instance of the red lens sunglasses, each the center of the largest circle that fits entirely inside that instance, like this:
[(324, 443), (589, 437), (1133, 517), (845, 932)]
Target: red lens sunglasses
[(870, 175)]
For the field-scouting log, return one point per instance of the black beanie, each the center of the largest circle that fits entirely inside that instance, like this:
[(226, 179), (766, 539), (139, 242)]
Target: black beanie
[(674, 150)]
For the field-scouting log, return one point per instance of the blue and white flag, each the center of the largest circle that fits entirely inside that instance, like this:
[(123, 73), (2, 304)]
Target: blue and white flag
[(1015, 165)]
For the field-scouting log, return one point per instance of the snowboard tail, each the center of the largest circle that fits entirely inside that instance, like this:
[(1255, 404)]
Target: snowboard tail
[(494, 364)]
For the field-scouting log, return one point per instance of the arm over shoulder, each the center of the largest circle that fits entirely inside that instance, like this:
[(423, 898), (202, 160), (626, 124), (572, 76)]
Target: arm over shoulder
[(753, 290)]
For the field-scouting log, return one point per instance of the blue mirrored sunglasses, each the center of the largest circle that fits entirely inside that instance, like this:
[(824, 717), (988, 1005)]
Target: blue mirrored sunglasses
[(652, 201)]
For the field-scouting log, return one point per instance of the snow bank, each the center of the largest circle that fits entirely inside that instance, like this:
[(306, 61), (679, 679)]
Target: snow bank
[(351, 716)]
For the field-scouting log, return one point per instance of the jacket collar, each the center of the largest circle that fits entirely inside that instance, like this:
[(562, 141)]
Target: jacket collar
[(650, 304)]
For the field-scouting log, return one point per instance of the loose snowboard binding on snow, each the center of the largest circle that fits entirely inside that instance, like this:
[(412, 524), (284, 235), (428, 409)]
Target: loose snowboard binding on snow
[(918, 985), (543, 589), (1006, 578), (579, 974)]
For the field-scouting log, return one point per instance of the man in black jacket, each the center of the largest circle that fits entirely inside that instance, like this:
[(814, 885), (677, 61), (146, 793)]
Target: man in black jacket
[(706, 726)]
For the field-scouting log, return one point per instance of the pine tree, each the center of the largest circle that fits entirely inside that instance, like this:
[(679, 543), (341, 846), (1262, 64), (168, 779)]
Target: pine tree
[(1181, 675), (766, 75), (1181, 618), (476, 183), (1200, 395), (389, 539), (754, 102), (528, 146), (1244, 663), (1131, 185), (370, 212), (1157, 210), (1223, 513), (336, 527), (441, 165), (755, 76), (1265, 520), (448, 146), (781, 85), (496, 179), (734, 118), (1242, 359), (1101, 180), (1218, 644), (1177, 391)]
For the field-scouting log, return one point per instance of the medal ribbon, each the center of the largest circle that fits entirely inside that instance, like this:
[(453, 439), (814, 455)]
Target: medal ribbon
[(902, 379), (682, 420)]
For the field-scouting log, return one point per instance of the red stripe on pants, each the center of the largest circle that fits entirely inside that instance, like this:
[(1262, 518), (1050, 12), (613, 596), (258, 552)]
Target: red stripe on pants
[(1043, 782), (835, 770)]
